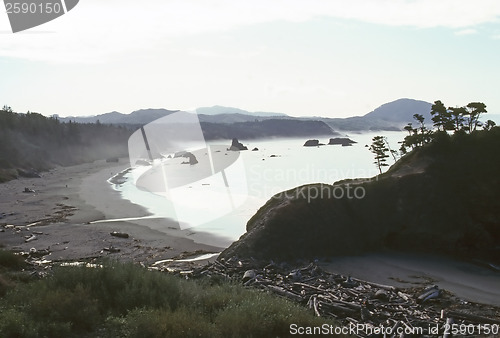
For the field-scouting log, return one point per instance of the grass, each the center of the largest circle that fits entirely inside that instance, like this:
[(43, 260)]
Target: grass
[(9, 262), (7, 174), (124, 300)]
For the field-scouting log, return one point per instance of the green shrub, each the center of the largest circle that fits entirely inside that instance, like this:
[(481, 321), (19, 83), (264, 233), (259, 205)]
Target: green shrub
[(121, 287), (5, 285), (123, 300), (11, 261), (262, 315), (163, 323), (15, 323)]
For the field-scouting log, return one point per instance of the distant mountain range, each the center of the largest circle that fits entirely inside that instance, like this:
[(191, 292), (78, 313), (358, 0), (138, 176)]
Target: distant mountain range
[(142, 116), (220, 110), (216, 114), (390, 116)]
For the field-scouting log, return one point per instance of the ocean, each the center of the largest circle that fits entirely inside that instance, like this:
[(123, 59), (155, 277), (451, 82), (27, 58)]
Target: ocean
[(219, 204)]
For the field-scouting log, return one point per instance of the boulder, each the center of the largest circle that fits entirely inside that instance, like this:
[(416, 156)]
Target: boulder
[(188, 155), (249, 275)]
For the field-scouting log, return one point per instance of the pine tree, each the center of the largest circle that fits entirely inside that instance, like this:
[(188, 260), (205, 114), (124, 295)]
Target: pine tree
[(380, 150)]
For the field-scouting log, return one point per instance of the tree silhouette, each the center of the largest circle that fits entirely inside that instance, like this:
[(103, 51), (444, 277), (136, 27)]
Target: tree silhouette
[(473, 112), (441, 116), (417, 136), (488, 125), (380, 150), (457, 117)]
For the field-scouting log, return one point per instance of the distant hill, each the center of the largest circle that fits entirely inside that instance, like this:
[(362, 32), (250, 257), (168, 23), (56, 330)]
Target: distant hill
[(142, 116), (218, 110), (401, 111), (215, 114), (265, 129), (233, 118), (389, 116), (32, 142), (361, 123)]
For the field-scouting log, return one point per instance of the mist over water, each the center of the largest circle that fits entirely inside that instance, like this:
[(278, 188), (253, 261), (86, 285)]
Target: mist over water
[(278, 165)]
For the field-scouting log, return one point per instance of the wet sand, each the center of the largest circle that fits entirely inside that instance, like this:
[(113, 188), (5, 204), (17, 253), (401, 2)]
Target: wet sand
[(467, 281), (66, 203)]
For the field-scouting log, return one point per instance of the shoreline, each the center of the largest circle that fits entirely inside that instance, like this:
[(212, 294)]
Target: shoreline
[(80, 210), (467, 281), (67, 200)]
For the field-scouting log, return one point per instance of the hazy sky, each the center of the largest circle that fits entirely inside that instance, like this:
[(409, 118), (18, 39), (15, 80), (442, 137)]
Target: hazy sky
[(300, 57)]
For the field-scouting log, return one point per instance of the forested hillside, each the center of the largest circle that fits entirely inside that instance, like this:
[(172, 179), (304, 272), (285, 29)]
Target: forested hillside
[(33, 142), (265, 129)]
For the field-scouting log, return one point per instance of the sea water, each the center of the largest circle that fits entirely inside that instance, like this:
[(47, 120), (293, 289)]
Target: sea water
[(277, 165)]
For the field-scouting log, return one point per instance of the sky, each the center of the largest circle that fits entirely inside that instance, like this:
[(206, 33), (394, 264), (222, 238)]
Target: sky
[(327, 58)]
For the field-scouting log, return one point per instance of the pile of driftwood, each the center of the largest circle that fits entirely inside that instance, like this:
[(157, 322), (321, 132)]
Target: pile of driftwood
[(354, 302)]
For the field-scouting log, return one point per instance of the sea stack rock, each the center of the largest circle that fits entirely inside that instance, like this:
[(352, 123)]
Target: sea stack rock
[(237, 146), (312, 143), (192, 159), (188, 155), (343, 141)]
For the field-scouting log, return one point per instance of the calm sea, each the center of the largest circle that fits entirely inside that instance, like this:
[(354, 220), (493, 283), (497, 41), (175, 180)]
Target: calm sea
[(277, 165)]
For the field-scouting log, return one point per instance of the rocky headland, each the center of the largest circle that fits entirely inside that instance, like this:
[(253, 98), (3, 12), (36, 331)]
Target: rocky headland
[(441, 198)]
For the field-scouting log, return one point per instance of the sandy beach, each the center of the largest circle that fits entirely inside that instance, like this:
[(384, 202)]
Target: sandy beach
[(470, 282), (73, 210), (66, 202)]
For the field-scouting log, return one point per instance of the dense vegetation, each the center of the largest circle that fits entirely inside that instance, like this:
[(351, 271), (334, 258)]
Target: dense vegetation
[(266, 128), (124, 300), (464, 120), (454, 120), (33, 141)]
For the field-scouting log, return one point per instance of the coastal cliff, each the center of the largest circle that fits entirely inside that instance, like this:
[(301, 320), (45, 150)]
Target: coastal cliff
[(441, 198)]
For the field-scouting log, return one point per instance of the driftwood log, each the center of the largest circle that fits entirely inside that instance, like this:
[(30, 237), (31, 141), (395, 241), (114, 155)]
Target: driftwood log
[(354, 301)]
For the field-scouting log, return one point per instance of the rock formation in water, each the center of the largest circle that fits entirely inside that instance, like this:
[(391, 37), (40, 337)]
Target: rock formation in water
[(344, 141), (237, 146), (188, 155), (313, 143)]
